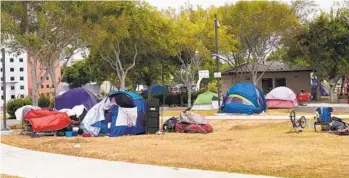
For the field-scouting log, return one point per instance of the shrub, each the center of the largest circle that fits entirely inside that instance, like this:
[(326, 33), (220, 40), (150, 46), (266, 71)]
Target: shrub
[(44, 101), (15, 104)]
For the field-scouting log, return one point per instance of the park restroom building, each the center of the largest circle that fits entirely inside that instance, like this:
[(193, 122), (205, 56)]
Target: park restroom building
[(276, 73)]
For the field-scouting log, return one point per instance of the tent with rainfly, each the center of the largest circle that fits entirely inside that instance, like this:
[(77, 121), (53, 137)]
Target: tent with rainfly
[(206, 101), (244, 98), (74, 97), (121, 113), (281, 97)]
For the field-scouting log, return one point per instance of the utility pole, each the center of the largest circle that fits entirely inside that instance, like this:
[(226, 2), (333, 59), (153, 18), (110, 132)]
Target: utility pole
[(216, 26), (4, 127)]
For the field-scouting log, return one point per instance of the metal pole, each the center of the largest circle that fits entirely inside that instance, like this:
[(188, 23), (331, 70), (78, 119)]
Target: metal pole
[(4, 127), (217, 57), (163, 96)]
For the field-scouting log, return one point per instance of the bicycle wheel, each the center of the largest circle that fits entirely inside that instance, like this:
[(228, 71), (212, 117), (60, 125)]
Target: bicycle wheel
[(302, 122), (293, 116)]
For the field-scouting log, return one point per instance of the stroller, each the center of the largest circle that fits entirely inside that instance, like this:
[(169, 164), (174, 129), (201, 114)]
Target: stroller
[(188, 122)]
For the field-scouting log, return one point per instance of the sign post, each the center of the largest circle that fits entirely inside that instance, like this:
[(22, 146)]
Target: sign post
[(202, 74), (4, 126)]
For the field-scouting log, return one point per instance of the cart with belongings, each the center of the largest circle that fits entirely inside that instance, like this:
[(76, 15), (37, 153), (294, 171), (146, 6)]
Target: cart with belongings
[(328, 123), (188, 122)]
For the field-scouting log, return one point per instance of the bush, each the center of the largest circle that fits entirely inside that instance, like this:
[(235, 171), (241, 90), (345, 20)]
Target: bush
[(44, 101), (15, 104)]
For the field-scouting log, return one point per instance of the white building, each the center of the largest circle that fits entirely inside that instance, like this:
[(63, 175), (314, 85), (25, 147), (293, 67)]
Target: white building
[(16, 76)]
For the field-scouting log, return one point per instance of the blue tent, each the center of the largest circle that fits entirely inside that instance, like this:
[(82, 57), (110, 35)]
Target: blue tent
[(244, 98), (126, 117), (155, 89), (120, 123)]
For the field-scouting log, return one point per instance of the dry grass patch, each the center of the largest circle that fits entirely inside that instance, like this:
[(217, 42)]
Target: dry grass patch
[(245, 146), (8, 176)]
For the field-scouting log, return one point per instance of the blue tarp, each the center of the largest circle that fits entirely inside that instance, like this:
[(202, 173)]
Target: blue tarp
[(244, 98), (155, 89)]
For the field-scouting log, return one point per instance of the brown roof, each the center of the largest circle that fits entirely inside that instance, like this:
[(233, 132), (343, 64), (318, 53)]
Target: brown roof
[(268, 66)]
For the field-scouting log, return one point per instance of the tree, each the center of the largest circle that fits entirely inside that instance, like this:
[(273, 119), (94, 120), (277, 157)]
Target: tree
[(324, 45), (64, 22), (305, 9), (23, 29), (190, 47), (78, 74), (120, 31), (259, 27), (46, 31)]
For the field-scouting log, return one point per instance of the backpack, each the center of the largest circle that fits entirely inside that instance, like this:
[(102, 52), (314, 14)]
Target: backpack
[(170, 125)]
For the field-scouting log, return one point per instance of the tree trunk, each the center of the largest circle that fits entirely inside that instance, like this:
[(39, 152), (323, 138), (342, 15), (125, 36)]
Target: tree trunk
[(189, 87), (122, 83), (53, 79), (342, 85), (150, 90), (332, 87), (34, 91), (318, 93), (254, 79)]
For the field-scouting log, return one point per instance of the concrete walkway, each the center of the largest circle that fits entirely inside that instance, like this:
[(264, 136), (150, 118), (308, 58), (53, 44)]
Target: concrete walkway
[(34, 164)]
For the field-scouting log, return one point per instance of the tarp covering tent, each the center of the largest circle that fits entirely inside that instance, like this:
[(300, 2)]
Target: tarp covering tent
[(204, 101), (121, 113), (281, 97), (74, 97), (45, 120), (155, 89), (244, 98)]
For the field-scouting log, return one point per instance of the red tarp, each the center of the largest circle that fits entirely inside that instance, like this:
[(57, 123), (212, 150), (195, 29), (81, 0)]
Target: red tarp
[(44, 120)]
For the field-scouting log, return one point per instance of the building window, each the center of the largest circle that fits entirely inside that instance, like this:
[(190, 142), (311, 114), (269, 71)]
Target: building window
[(280, 82), (21, 69), (22, 96), (41, 78), (1, 69), (42, 86), (11, 59), (12, 69), (2, 79), (2, 97), (12, 78), (12, 87), (13, 96), (267, 84), (20, 59), (47, 86), (47, 78), (22, 87), (21, 78)]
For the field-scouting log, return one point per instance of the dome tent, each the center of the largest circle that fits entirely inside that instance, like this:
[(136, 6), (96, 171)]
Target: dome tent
[(120, 113), (205, 101), (244, 98), (74, 97), (281, 97)]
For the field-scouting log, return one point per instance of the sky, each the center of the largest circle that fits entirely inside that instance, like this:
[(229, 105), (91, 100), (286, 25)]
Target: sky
[(164, 4)]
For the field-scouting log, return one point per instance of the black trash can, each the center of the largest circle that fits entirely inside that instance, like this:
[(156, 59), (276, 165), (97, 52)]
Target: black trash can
[(152, 123)]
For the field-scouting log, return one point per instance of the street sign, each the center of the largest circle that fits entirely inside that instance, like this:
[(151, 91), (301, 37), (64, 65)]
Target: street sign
[(217, 75), (204, 74)]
